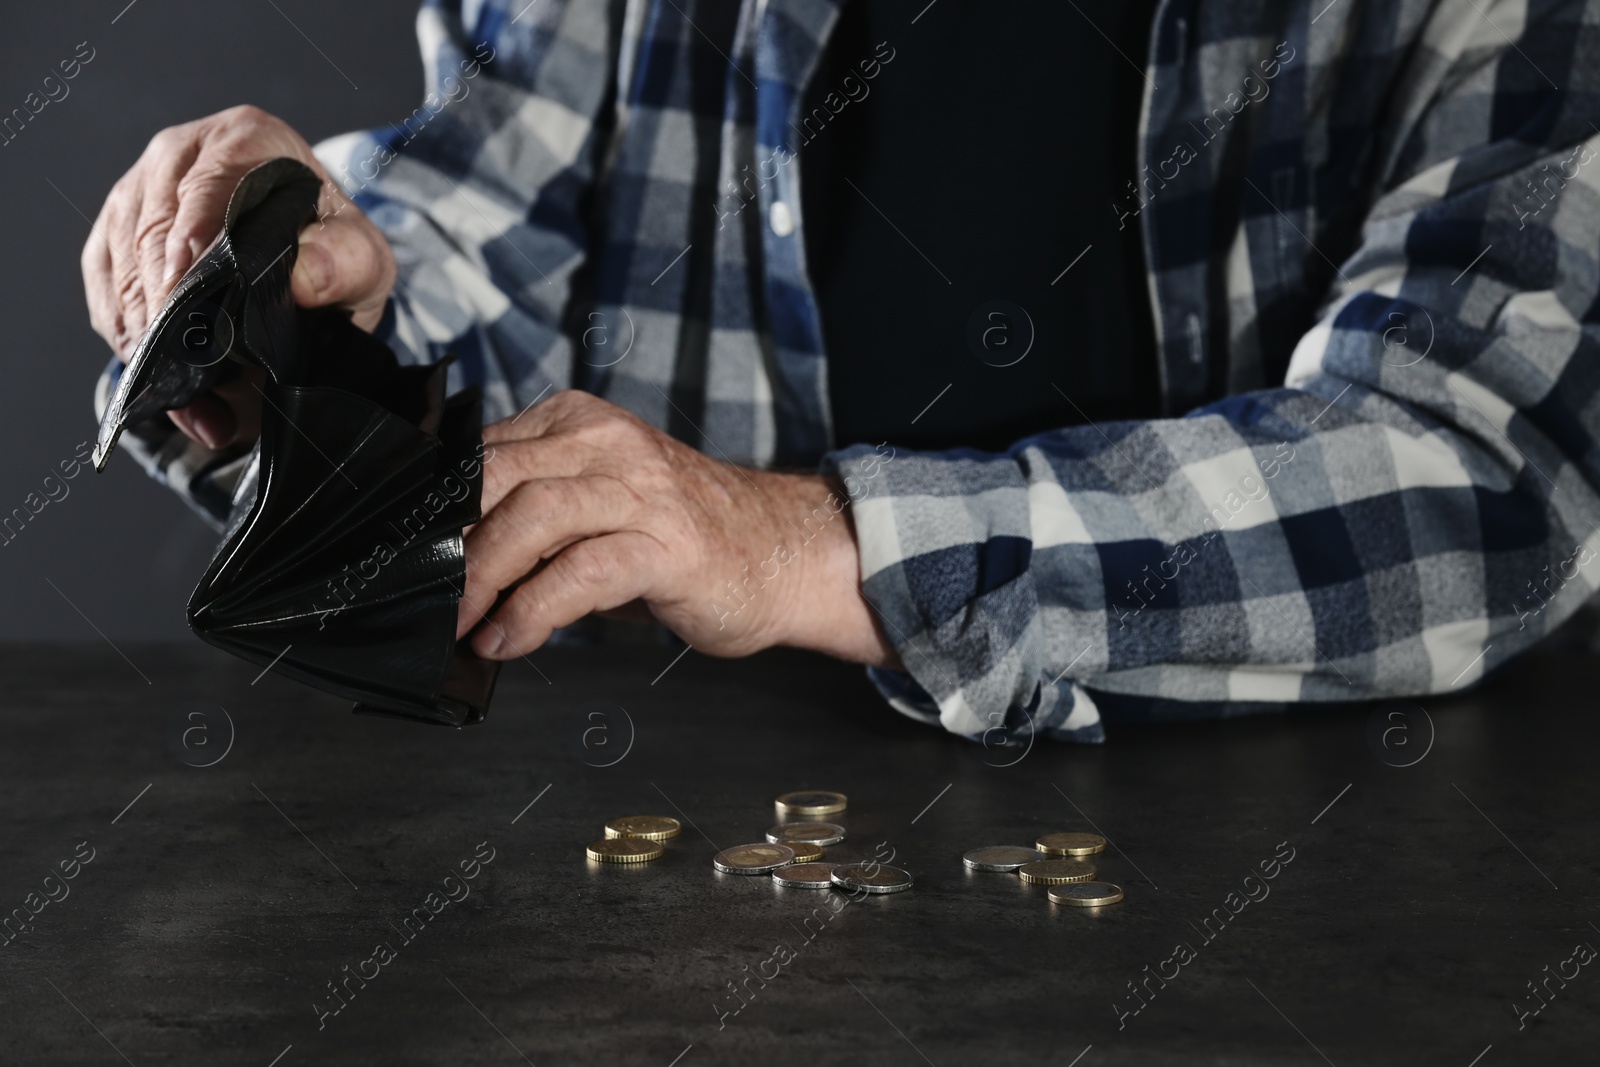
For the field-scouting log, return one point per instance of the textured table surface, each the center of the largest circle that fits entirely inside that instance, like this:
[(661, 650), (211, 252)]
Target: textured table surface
[(221, 901)]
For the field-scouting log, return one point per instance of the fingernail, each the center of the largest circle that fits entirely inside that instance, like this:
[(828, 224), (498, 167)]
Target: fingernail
[(207, 434), (488, 644), (180, 254)]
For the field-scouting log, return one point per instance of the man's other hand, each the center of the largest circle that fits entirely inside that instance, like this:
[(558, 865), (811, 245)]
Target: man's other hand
[(166, 211), (588, 509)]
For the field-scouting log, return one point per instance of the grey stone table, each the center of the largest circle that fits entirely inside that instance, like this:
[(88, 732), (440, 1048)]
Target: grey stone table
[(212, 909)]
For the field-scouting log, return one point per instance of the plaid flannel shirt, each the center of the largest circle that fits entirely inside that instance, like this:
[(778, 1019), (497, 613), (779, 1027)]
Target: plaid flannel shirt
[(1371, 232)]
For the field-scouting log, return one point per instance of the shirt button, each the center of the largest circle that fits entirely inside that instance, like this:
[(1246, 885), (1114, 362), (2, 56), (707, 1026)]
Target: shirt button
[(781, 218)]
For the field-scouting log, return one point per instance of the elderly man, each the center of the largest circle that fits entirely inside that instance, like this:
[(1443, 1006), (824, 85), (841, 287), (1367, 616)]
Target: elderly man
[(1174, 358)]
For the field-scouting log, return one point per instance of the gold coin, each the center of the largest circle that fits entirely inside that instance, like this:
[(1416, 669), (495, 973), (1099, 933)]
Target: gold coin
[(624, 850), (1056, 872), (805, 851), (810, 802), (1086, 894), (1071, 844), (649, 827)]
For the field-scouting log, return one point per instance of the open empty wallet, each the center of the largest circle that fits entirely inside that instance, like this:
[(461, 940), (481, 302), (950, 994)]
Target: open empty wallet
[(342, 563)]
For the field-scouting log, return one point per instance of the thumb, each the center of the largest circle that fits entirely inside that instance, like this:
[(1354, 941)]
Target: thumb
[(344, 262)]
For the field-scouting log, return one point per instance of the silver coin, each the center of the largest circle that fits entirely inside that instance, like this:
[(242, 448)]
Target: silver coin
[(805, 876), (817, 833), (1006, 858), (761, 858), (871, 878)]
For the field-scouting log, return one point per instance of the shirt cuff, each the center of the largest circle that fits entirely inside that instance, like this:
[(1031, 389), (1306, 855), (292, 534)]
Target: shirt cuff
[(945, 565)]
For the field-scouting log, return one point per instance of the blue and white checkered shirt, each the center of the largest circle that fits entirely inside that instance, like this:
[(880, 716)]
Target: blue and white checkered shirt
[(1371, 229)]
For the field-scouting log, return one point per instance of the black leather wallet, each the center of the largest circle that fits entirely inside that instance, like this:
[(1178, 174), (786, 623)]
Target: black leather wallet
[(342, 561)]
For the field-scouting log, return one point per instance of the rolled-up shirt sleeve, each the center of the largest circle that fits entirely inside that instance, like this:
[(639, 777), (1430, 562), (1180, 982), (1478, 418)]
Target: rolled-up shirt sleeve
[(1413, 508), (480, 191)]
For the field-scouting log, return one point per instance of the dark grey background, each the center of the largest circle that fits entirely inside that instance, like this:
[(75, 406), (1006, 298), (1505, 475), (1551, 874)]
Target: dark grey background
[(125, 552)]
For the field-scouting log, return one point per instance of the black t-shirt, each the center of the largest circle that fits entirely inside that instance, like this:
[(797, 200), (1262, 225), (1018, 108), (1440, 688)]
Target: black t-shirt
[(952, 172)]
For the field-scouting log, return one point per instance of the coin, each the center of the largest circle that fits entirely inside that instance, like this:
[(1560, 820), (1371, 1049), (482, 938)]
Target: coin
[(804, 876), (649, 827), (1001, 857), (871, 878), (805, 851), (810, 803), (624, 850), (1056, 872), (1086, 894), (1071, 844), (752, 859), (818, 833)]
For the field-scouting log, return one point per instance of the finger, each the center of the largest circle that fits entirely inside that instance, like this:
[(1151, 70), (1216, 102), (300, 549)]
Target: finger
[(567, 409), (598, 574), (520, 426), (509, 464), (202, 203), (230, 414), (535, 521), (243, 397), (345, 262), (170, 155), (508, 429), (121, 217), (207, 420), (98, 288)]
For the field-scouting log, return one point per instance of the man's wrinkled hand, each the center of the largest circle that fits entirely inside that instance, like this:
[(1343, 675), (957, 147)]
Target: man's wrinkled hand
[(588, 509), (168, 208)]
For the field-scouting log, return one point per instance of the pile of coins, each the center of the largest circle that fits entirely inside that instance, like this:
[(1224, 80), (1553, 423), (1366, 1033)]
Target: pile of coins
[(792, 853), (634, 839), (1055, 860)]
